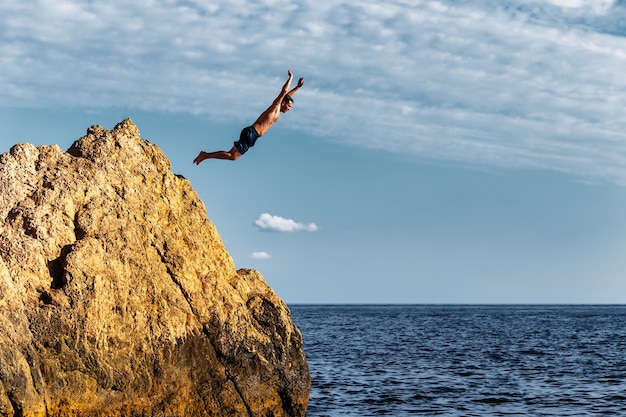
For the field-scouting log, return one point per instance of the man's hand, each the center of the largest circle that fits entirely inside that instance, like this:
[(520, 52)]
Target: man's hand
[(290, 74), (300, 82)]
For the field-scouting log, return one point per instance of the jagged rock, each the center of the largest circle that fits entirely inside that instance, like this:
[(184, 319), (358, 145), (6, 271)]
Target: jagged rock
[(118, 298)]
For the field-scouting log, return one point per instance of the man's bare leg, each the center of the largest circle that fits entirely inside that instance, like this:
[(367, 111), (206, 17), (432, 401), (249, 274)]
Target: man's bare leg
[(231, 155)]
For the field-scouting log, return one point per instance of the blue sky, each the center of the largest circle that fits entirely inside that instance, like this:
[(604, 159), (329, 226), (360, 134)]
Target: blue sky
[(439, 151)]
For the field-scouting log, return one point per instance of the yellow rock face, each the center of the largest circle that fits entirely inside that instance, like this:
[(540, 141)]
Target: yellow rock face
[(118, 298)]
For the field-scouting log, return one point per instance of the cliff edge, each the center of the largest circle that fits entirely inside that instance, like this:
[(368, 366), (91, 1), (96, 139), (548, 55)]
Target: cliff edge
[(118, 298)]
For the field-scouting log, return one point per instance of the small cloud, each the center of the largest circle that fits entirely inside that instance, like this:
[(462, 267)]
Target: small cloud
[(260, 255), (279, 224)]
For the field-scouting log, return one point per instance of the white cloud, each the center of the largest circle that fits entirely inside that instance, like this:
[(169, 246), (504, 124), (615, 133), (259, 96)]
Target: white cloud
[(513, 83), (597, 6), (279, 224), (260, 255)]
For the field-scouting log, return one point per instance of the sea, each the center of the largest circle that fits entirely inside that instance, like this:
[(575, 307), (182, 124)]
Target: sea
[(464, 360)]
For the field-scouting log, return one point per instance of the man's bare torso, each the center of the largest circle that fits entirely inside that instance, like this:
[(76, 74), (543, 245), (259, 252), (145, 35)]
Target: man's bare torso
[(267, 119)]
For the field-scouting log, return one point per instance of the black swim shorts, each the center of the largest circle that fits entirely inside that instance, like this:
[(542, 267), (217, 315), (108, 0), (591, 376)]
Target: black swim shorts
[(247, 139)]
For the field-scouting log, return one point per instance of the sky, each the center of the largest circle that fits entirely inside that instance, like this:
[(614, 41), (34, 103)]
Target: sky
[(468, 151)]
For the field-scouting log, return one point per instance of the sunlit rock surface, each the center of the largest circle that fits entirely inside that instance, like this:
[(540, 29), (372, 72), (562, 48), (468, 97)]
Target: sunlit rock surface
[(118, 298)]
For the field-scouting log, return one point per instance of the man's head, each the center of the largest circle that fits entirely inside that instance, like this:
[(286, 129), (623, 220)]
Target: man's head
[(286, 104)]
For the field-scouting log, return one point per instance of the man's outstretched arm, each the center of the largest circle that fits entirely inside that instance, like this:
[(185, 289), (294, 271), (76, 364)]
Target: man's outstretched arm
[(296, 88), (283, 91)]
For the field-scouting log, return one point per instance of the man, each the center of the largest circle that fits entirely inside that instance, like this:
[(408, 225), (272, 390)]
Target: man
[(250, 134)]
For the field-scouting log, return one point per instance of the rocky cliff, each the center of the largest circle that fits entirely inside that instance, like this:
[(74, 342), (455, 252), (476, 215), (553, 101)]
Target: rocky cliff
[(118, 298)]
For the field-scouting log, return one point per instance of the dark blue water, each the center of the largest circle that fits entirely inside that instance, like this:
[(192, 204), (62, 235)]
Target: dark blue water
[(465, 360)]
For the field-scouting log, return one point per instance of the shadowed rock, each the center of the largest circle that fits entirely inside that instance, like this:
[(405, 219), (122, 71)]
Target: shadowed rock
[(118, 298)]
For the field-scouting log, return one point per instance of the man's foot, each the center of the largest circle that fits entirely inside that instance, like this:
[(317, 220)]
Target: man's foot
[(201, 157)]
